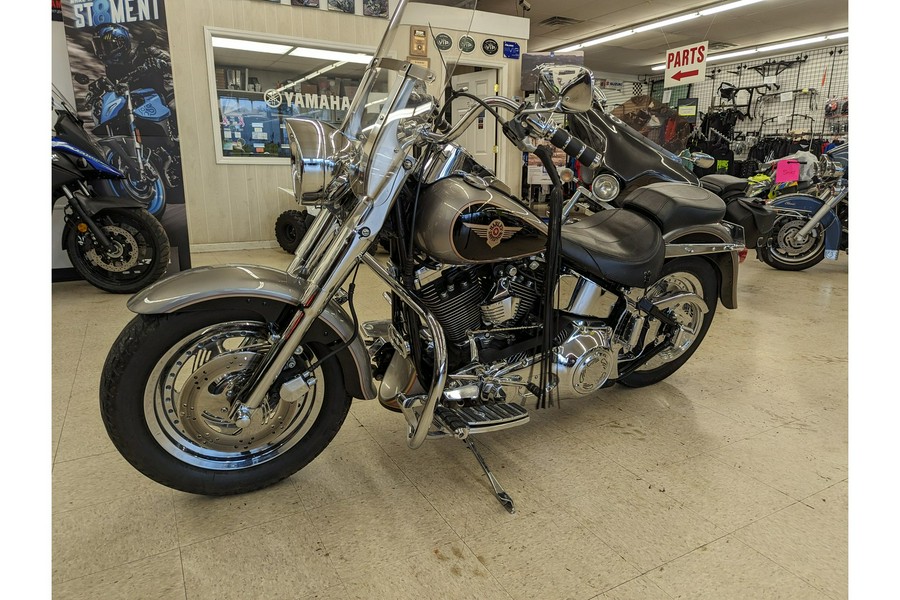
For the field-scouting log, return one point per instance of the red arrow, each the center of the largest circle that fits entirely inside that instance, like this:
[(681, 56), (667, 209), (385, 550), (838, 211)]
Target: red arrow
[(682, 74)]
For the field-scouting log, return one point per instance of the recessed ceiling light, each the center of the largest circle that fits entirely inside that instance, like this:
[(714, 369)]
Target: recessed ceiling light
[(658, 24), (769, 48), (359, 58), (249, 46)]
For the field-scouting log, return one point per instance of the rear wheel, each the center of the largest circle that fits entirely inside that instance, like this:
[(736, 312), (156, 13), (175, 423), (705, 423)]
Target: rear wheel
[(166, 394), (784, 252), (148, 189), (682, 275), (138, 257)]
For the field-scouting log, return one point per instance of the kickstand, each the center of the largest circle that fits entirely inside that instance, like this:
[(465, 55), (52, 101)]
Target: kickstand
[(501, 494)]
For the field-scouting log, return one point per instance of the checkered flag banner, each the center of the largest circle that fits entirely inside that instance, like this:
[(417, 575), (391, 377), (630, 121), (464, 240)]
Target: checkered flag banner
[(637, 88)]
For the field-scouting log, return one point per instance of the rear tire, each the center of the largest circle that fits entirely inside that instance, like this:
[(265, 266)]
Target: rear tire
[(166, 388), (695, 275), (140, 256)]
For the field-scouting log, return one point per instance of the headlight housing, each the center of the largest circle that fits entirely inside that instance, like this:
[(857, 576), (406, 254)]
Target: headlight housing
[(828, 168), (605, 187), (319, 152)]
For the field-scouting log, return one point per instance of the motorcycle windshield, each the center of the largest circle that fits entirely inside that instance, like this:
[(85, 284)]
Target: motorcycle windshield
[(628, 154), (393, 100)]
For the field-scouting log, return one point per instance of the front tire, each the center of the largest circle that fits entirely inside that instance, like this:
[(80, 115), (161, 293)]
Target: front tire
[(694, 275), (782, 252), (140, 255), (166, 390)]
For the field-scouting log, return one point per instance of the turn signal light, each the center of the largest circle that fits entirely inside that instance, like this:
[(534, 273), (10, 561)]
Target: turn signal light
[(82, 227)]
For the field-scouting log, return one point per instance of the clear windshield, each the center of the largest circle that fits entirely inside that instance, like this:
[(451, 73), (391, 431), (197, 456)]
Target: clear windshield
[(397, 96)]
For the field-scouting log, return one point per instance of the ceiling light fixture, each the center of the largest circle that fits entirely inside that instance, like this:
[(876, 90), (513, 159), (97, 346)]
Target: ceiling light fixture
[(658, 24), (358, 58), (235, 44), (769, 48)]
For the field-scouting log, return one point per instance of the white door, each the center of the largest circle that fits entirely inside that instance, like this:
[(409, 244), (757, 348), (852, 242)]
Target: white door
[(480, 138)]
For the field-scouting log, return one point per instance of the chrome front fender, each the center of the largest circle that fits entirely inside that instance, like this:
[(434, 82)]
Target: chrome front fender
[(206, 286), (720, 243)]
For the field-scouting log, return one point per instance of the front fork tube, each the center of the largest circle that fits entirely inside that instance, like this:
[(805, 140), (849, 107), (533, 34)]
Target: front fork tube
[(800, 236), (339, 258), (318, 237), (82, 213)]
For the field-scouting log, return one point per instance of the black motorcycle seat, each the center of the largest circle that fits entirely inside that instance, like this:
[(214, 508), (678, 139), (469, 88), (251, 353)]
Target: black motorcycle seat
[(676, 205), (616, 244), (723, 184)]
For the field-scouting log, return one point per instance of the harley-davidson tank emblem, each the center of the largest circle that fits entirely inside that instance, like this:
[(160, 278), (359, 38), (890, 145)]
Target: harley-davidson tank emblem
[(494, 232)]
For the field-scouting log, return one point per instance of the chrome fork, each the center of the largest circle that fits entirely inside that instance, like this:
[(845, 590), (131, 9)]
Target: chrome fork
[(331, 257)]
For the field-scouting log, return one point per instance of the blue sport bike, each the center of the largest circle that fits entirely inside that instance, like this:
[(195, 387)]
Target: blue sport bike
[(113, 242)]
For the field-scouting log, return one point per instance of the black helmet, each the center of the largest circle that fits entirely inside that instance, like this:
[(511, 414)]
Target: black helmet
[(112, 43)]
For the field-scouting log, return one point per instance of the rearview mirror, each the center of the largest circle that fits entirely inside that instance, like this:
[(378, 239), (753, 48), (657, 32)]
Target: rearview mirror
[(704, 161), (565, 88)]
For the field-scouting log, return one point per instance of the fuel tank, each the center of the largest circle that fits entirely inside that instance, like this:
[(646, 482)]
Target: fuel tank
[(462, 220)]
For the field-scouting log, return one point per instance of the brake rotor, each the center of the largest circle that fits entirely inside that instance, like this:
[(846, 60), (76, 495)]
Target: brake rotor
[(123, 257)]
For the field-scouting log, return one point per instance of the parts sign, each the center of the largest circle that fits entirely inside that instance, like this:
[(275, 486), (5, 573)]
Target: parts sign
[(686, 65)]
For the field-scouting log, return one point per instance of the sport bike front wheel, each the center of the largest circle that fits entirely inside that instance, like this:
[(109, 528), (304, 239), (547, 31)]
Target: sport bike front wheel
[(167, 390), (139, 254)]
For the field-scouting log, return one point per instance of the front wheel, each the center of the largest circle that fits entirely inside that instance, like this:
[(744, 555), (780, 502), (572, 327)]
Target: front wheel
[(166, 395), (784, 252), (682, 275), (139, 254)]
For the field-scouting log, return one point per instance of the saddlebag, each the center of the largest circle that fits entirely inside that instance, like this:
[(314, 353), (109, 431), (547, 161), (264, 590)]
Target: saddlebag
[(756, 218)]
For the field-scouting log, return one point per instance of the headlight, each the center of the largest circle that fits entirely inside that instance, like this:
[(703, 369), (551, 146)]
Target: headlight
[(605, 187), (828, 168), (316, 151)]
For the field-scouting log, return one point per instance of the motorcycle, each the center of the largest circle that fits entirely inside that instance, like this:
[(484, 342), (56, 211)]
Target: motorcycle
[(812, 227), (113, 243), (123, 118), (632, 161), (231, 378)]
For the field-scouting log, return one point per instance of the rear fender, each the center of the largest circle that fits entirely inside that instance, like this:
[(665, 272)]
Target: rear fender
[(268, 292), (806, 204), (725, 261)]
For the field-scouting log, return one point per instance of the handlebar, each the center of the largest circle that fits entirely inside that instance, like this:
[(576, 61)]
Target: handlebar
[(575, 148)]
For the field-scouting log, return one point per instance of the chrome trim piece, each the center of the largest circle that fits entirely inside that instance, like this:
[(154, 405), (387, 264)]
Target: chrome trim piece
[(419, 423)]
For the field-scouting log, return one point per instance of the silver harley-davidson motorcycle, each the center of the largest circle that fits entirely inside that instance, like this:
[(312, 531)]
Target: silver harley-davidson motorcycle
[(231, 378)]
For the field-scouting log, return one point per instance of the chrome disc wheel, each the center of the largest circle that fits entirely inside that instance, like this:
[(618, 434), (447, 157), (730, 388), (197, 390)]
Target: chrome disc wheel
[(689, 314), (786, 248), (189, 396)]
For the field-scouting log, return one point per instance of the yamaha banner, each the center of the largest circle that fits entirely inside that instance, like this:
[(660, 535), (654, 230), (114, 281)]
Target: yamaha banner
[(122, 77)]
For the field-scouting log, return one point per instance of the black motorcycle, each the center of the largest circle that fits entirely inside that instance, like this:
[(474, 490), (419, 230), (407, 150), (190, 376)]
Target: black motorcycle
[(632, 161), (113, 243)]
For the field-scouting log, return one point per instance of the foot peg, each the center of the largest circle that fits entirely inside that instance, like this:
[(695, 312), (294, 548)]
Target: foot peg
[(465, 421)]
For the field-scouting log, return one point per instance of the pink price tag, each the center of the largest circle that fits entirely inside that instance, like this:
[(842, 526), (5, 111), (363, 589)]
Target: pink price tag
[(787, 170)]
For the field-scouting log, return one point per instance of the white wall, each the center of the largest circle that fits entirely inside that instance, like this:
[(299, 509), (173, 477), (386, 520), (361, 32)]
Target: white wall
[(236, 203)]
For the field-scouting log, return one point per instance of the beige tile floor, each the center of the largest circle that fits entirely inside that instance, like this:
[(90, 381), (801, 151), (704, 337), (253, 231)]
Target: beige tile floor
[(728, 480)]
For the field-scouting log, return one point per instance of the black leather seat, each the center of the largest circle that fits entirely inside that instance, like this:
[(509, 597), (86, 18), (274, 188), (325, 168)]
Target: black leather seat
[(723, 184), (676, 205), (616, 244)]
